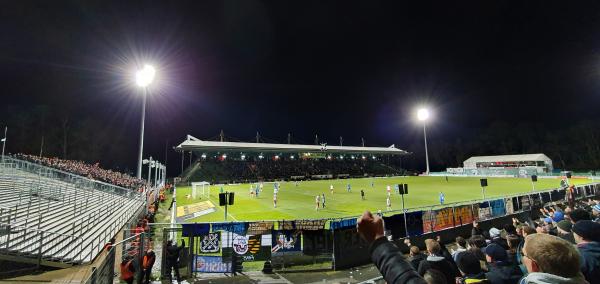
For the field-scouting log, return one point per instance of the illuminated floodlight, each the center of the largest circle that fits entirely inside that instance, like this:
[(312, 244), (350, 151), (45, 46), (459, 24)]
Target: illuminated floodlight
[(276, 157), (224, 156), (260, 156), (364, 158), (374, 158), (329, 157), (292, 157), (422, 114), (145, 76), (353, 157), (341, 157), (203, 156), (243, 157)]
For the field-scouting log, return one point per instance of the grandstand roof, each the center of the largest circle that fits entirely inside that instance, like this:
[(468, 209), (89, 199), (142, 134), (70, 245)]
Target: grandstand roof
[(508, 158), (194, 144)]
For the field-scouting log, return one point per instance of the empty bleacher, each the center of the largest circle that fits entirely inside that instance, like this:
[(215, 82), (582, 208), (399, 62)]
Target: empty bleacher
[(58, 218)]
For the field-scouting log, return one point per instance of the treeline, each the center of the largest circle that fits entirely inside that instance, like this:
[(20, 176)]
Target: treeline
[(65, 134), (573, 147), (72, 135)]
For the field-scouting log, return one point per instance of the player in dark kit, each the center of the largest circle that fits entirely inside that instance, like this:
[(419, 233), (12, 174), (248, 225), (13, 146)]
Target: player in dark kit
[(362, 194)]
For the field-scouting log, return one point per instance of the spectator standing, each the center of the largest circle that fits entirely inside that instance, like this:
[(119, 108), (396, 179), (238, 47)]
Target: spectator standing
[(470, 268), (173, 252), (435, 260), (587, 237), (501, 271), (495, 236), (476, 229), (415, 255), (461, 246), (147, 264), (550, 259), (564, 231)]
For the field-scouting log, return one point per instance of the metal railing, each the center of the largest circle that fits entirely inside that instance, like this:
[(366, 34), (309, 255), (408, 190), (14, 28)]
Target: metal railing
[(80, 181)]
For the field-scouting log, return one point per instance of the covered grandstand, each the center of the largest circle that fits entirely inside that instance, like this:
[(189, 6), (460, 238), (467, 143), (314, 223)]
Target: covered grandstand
[(224, 161)]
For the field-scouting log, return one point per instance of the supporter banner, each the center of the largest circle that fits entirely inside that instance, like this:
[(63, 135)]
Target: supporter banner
[(285, 241), (211, 264), (414, 223), (348, 223), (509, 206), (497, 208), (287, 225), (463, 215), (525, 203), (210, 243), (250, 248), (191, 230), (259, 228), (485, 212), (310, 225), (237, 228), (437, 220), (395, 224)]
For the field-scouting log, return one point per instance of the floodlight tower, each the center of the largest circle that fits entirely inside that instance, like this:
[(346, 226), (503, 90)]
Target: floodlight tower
[(143, 78), (423, 115)]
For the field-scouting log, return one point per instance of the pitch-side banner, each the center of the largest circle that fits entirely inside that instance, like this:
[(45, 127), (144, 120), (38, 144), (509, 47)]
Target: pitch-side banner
[(485, 211), (210, 243), (260, 228), (463, 215), (211, 264), (250, 248), (285, 241), (436, 220), (498, 208)]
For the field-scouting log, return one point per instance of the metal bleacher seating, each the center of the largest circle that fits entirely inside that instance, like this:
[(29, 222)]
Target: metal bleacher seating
[(57, 218)]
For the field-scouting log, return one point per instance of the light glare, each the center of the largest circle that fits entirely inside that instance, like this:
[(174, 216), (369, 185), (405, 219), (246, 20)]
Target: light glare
[(145, 76), (423, 114)]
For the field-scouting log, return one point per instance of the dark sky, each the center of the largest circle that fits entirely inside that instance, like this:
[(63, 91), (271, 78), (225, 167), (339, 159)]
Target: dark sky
[(334, 68)]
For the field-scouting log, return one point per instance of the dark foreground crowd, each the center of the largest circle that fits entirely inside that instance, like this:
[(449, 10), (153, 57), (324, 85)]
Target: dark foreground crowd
[(563, 246), (92, 171)]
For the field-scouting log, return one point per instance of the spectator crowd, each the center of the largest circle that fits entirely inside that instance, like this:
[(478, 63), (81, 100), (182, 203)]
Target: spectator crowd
[(251, 169), (91, 171), (562, 246)]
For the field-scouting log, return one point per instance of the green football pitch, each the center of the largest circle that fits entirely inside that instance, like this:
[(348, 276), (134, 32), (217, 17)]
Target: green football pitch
[(298, 201)]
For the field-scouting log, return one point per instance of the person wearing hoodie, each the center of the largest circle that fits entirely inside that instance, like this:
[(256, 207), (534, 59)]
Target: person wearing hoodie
[(501, 270), (386, 256), (550, 259), (587, 237), (495, 237), (470, 268), (564, 231), (435, 260)]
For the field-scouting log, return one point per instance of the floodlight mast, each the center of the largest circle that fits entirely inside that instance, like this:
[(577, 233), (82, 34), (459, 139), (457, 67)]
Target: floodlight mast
[(143, 79), (423, 115)]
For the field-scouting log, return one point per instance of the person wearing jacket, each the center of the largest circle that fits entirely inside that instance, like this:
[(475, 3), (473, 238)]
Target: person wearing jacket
[(476, 230), (127, 271), (173, 259), (147, 264), (386, 256), (550, 259), (435, 260), (587, 237), (501, 270)]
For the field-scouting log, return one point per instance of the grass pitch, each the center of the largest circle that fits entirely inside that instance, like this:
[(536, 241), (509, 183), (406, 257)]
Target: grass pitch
[(298, 201)]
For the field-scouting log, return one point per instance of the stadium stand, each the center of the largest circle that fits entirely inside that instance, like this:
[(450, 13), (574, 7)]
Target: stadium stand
[(231, 170), (87, 170), (58, 218)]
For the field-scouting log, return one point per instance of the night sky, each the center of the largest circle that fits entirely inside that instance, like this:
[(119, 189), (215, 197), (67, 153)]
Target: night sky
[(333, 68)]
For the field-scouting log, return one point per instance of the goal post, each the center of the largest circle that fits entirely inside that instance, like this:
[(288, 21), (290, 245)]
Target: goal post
[(205, 189)]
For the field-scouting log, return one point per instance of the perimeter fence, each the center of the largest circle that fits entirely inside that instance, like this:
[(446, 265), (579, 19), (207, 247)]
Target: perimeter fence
[(324, 244)]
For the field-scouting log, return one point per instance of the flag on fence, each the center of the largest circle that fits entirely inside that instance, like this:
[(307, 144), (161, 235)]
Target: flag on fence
[(192, 230)]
